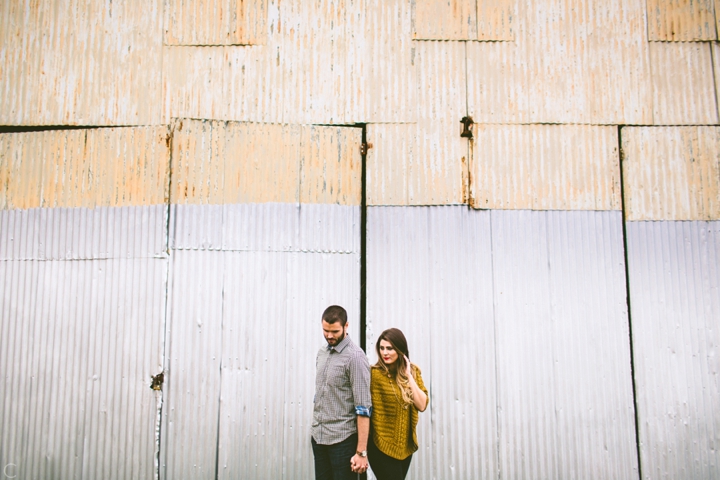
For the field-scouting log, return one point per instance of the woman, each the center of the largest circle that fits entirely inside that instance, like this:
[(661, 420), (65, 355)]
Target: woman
[(398, 394)]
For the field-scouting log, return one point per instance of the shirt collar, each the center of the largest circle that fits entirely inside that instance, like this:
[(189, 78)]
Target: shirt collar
[(340, 346)]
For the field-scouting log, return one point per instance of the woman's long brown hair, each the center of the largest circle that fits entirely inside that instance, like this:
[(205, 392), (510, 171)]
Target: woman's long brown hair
[(399, 368)]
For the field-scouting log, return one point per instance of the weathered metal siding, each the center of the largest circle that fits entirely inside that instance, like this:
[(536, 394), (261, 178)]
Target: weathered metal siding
[(105, 167), (464, 20), (540, 346), (435, 176), (545, 167), (681, 20), (215, 22), (564, 380), (672, 173), (237, 320), (324, 62), (80, 62), (683, 84), (79, 342), (674, 273), (236, 163), (570, 63), (83, 233)]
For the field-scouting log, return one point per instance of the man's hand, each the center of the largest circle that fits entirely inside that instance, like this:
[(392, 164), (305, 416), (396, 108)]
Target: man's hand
[(358, 464)]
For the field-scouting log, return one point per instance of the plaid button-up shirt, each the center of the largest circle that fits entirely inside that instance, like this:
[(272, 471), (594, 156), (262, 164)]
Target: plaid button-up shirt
[(342, 392)]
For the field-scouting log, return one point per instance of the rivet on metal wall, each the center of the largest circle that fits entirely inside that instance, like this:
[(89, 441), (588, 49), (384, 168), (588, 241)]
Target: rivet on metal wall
[(467, 127)]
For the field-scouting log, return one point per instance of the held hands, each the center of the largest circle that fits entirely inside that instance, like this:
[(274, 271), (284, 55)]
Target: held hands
[(358, 464)]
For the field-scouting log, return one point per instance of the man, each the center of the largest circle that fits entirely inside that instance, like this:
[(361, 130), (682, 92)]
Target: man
[(341, 415)]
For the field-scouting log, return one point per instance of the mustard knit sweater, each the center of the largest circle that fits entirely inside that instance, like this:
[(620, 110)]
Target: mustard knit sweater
[(393, 422)]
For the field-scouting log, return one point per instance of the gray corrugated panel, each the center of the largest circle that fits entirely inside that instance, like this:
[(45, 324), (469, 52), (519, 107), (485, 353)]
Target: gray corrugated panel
[(329, 228), (82, 62), (315, 281), (193, 359), (571, 62), (463, 382), (215, 22), (545, 167), (671, 173), (252, 403), (674, 289), (196, 227), (398, 295), (680, 20), (683, 84), (82, 233), (442, 268), (261, 226), (80, 341), (564, 381), (266, 227)]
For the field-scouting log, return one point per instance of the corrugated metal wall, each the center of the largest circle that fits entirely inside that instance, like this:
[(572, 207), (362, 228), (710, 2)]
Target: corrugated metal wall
[(556, 274)]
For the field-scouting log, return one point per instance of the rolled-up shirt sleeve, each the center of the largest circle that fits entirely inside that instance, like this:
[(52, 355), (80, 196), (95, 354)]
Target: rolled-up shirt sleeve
[(360, 379)]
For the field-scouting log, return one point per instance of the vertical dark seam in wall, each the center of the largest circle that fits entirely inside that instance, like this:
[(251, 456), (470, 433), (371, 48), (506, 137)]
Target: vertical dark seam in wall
[(222, 321), (628, 301), (363, 243), (713, 60), (168, 184)]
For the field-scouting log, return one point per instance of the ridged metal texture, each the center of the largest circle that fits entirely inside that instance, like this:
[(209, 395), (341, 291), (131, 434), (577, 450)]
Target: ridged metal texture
[(324, 62), (215, 22), (81, 62), (671, 173), (243, 331), (79, 342), (83, 233), (681, 20), (683, 84), (674, 273), (104, 167), (464, 20), (518, 321), (545, 167), (571, 62), (424, 163), (266, 227), (238, 163)]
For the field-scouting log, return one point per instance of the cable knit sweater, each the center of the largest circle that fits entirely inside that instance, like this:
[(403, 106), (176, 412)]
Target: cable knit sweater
[(393, 421)]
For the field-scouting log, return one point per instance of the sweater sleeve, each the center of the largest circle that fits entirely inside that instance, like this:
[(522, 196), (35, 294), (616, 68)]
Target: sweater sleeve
[(417, 374)]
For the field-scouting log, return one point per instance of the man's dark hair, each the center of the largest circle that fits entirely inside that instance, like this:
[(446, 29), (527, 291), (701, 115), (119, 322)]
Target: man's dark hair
[(334, 314)]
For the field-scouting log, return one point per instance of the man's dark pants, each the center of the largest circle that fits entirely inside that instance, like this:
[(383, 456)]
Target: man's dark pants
[(332, 462)]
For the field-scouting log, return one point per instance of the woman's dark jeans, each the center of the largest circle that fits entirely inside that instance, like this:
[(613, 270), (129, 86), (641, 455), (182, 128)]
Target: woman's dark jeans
[(385, 467), (332, 462)]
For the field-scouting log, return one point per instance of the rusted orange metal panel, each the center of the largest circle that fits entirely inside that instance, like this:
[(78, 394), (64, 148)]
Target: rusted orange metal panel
[(570, 63), (107, 167), (217, 162), (671, 173), (81, 62), (445, 20), (215, 22), (545, 167), (495, 19), (683, 85), (681, 20)]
